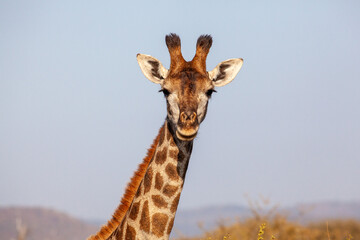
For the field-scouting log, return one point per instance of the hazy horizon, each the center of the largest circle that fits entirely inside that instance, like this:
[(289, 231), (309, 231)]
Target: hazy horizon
[(77, 115)]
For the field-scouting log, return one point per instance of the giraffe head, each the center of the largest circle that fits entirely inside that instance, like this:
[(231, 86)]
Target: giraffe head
[(187, 86)]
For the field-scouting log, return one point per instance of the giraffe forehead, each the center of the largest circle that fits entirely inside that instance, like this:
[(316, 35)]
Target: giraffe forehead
[(187, 81)]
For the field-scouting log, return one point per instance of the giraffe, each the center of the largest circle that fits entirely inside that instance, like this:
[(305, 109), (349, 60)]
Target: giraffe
[(147, 209)]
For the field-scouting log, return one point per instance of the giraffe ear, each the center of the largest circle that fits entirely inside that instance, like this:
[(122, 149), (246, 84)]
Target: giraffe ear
[(225, 71), (152, 68)]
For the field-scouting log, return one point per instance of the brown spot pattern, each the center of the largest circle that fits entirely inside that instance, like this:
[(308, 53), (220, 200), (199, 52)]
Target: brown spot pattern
[(159, 201), (160, 157), (138, 192), (159, 221), (159, 182), (173, 154), (130, 233), (119, 234), (145, 218), (134, 211), (147, 180), (171, 171), (172, 143), (161, 138), (168, 135), (171, 224), (169, 190), (175, 204)]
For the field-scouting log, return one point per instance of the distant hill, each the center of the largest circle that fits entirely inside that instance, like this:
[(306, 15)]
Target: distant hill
[(192, 222), (43, 224), (323, 211)]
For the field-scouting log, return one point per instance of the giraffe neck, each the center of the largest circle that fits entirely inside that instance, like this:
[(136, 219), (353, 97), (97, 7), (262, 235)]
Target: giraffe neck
[(152, 211)]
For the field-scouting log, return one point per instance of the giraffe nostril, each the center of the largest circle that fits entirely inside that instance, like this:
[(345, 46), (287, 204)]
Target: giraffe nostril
[(193, 116), (188, 116)]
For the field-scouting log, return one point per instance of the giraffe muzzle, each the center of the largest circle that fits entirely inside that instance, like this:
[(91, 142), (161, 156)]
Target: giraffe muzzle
[(185, 137), (187, 117), (187, 126)]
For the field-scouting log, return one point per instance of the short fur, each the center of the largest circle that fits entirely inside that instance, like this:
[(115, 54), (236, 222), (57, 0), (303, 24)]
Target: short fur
[(203, 46), (128, 197), (204, 41), (185, 86), (173, 43), (172, 40)]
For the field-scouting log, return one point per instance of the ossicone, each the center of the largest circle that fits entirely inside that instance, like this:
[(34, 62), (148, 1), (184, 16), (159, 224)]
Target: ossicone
[(203, 46), (172, 40), (174, 46), (204, 42)]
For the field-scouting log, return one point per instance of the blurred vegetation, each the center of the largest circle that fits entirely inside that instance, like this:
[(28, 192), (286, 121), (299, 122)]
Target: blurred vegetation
[(280, 228), (267, 224)]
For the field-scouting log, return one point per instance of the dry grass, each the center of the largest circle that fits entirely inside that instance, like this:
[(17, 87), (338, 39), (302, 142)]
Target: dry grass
[(21, 229), (280, 228), (269, 225)]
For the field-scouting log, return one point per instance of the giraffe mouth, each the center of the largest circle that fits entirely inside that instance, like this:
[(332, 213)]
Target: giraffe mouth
[(187, 135)]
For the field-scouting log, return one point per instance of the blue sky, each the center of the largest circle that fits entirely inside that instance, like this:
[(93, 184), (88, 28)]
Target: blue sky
[(77, 115)]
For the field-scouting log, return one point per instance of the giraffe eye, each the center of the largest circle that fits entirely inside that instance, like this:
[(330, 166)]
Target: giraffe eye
[(209, 92), (165, 92)]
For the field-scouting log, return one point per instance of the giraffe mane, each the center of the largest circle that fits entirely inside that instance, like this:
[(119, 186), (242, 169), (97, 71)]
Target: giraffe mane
[(130, 191)]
